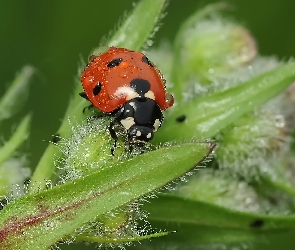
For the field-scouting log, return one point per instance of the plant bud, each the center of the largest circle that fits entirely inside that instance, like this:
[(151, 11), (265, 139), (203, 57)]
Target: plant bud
[(211, 48)]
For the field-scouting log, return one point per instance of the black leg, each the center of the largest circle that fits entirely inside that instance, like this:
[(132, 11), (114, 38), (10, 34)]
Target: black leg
[(130, 148), (96, 116), (87, 108), (113, 147), (113, 135), (83, 94)]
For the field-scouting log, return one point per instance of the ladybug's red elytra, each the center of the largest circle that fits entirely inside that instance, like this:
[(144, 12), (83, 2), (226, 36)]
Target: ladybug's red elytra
[(126, 84)]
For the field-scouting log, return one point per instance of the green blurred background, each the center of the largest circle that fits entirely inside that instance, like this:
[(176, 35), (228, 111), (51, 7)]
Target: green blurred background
[(53, 35)]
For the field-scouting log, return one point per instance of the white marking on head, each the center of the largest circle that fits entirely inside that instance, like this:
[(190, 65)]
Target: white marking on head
[(138, 133), (157, 124), (132, 95), (127, 122), (126, 92), (149, 135), (150, 94)]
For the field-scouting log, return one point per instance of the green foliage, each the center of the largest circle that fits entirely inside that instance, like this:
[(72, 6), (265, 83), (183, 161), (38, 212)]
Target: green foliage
[(218, 110), (12, 170), (225, 92), (45, 216), (16, 94)]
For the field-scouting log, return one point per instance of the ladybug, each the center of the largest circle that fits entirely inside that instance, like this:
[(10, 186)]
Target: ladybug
[(127, 85)]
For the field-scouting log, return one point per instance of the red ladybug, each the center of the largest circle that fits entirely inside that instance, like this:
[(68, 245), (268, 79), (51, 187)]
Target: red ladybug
[(127, 85)]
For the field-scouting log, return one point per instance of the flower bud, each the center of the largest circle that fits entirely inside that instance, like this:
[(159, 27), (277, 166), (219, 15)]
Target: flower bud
[(218, 188), (210, 48), (247, 148)]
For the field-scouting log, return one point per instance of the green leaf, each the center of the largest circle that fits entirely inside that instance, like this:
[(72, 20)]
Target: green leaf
[(199, 223), (138, 26), (48, 216), (17, 93), (208, 115), (19, 136), (132, 33), (95, 239)]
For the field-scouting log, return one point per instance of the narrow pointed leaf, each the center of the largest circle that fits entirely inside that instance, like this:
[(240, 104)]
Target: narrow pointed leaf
[(206, 116), (119, 240), (138, 26), (199, 223), (16, 94), (48, 216), (19, 136)]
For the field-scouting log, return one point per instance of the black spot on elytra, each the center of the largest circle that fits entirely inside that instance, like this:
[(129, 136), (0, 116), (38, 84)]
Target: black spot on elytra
[(115, 62), (97, 89), (181, 118), (56, 138), (257, 223), (147, 61)]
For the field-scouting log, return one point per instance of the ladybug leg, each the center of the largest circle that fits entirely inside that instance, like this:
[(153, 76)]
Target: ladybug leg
[(130, 148), (98, 115), (113, 135), (83, 94), (87, 108), (113, 147), (117, 119)]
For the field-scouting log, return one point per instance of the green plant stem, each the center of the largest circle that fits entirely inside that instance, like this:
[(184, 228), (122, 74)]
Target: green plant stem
[(16, 94), (19, 136)]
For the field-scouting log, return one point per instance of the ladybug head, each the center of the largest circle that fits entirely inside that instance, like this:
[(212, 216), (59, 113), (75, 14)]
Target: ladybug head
[(141, 117), (139, 135)]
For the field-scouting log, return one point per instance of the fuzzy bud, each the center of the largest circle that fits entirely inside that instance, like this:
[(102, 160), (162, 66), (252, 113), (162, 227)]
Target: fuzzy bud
[(214, 47), (218, 188), (251, 143)]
